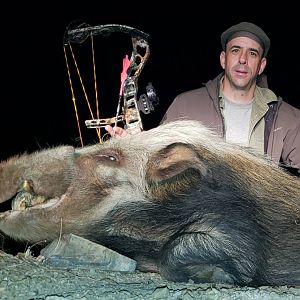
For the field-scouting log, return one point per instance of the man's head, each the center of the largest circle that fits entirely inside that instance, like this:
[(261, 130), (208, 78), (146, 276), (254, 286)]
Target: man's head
[(245, 29)]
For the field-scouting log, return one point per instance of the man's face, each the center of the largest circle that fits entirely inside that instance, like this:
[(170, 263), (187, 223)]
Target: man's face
[(242, 62)]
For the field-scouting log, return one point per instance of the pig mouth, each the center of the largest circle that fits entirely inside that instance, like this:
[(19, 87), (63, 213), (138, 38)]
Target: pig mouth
[(25, 199)]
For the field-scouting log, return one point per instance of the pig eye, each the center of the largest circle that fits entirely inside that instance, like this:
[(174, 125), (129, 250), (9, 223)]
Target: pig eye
[(109, 155), (112, 158)]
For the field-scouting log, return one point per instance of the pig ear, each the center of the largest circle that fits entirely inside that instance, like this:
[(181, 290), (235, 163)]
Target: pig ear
[(174, 160)]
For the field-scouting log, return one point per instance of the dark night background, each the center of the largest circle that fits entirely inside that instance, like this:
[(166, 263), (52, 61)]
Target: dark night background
[(36, 106)]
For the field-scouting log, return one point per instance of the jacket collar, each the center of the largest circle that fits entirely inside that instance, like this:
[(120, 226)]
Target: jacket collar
[(213, 87)]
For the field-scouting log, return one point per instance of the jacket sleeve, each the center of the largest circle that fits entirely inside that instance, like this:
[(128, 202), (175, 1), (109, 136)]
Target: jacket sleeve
[(291, 151)]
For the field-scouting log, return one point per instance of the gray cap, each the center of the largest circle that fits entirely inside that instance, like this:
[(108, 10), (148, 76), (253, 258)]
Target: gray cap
[(249, 30)]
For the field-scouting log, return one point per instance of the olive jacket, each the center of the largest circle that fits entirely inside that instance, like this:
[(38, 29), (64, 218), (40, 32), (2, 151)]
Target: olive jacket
[(274, 124)]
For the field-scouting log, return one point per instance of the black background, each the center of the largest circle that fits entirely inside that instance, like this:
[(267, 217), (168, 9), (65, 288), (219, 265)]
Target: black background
[(36, 105)]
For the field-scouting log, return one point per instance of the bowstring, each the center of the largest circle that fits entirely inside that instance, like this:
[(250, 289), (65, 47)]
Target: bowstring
[(84, 91), (73, 98), (96, 89)]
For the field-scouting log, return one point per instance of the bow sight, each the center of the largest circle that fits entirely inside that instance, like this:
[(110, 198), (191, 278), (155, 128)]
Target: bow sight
[(129, 106)]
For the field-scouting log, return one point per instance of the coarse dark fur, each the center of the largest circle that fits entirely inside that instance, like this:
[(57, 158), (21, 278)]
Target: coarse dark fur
[(176, 198)]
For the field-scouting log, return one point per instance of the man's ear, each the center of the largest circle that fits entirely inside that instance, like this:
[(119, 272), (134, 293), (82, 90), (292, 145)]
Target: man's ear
[(263, 64), (223, 59), (174, 160)]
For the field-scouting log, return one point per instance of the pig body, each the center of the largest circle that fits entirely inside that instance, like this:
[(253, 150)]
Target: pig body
[(176, 198)]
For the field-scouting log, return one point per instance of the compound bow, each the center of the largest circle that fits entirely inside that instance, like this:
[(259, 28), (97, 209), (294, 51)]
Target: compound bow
[(129, 106)]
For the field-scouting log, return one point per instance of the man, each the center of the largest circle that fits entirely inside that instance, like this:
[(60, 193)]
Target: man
[(238, 105)]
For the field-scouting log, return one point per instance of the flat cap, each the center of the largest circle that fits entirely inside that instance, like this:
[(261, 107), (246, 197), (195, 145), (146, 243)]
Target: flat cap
[(249, 30)]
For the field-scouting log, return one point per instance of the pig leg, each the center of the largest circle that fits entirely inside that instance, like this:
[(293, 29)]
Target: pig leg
[(205, 258)]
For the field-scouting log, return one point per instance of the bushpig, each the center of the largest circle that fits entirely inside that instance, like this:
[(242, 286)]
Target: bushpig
[(176, 198)]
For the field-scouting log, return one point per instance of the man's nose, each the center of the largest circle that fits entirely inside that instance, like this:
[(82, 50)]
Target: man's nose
[(243, 58)]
